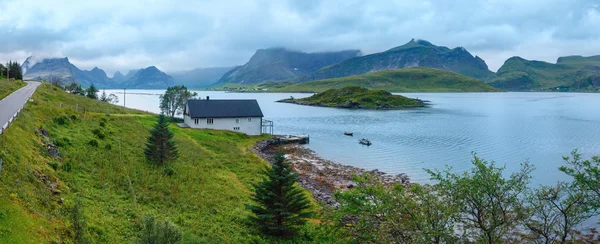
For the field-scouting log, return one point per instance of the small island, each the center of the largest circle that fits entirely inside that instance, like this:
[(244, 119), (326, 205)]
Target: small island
[(355, 97)]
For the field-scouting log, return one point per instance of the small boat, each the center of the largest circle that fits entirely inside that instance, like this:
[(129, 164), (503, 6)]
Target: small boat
[(348, 133), (364, 142)]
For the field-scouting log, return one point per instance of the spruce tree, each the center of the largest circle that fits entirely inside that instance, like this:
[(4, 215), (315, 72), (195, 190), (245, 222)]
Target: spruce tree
[(160, 147), (91, 92), (281, 206)]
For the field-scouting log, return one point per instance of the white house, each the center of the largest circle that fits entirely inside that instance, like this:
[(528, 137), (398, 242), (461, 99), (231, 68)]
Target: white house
[(235, 115)]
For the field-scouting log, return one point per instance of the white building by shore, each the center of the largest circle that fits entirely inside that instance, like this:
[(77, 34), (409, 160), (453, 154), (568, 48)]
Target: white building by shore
[(243, 116)]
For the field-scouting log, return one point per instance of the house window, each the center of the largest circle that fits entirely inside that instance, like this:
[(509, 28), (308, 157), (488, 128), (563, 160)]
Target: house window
[(237, 121), (209, 121), (196, 121), (236, 128), (249, 119)]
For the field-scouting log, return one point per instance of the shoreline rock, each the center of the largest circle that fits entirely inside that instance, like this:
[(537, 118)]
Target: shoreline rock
[(321, 177)]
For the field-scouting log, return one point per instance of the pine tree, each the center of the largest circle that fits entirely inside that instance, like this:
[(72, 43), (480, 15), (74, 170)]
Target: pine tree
[(104, 97), (160, 147), (281, 207), (91, 92)]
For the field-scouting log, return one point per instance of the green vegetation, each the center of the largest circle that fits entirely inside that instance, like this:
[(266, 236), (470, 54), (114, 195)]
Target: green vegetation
[(91, 92), (14, 71), (160, 148), (281, 206), (357, 97), (483, 204), (205, 195), (174, 100), (159, 232), (416, 79), (9, 86), (574, 73)]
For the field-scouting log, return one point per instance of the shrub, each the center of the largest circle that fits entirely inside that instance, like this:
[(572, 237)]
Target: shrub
[(159, 232), (108, 147), (53, 165), (168, 171), (99, 134), (93, 143), (60, 120), (62, 142)]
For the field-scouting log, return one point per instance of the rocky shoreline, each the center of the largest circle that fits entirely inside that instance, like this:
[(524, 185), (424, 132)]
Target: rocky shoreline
[(321, 177)]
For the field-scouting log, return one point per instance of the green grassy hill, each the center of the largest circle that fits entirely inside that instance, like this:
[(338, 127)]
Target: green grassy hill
[(573, 73), (8, 86), (417, 79), (358, 97), (102, 164)]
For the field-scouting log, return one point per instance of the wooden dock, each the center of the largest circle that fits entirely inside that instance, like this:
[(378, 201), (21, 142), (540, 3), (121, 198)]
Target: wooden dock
[(288, 139)]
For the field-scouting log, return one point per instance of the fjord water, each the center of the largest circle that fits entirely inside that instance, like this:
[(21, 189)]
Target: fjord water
[(508, 128)]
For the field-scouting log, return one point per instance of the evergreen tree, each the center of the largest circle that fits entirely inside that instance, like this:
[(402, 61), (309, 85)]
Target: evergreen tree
[(14, 70), (281, 206), (160, 147), (91, 92)]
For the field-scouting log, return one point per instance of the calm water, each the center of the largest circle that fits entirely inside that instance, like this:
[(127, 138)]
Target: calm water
[(508, 128)]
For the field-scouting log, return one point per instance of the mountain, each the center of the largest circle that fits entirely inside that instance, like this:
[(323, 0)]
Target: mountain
[(415, 53), (57, 69), (278, 64), (572, 73), (200, 77), (148, 78), (414, 79), (118, 77), (98, 76)]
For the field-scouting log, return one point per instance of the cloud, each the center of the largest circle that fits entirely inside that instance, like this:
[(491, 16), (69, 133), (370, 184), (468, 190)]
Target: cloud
[(185, 34)]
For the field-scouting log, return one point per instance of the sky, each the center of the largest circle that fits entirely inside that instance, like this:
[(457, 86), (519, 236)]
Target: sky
[(179, 35)]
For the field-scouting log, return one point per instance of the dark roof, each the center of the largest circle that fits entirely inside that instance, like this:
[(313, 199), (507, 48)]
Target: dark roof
[(224, 108)]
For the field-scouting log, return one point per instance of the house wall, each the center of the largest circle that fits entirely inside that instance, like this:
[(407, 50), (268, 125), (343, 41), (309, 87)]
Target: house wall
[(253, 128)]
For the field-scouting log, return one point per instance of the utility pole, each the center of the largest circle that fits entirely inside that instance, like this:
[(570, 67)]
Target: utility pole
[(124, 96)]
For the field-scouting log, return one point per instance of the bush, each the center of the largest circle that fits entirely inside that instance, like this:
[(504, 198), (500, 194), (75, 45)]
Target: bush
[(53, 165), (99, 134), (168, 171), (93, 143), (159, 232), (60, 120), (62, 142), (108, 147)]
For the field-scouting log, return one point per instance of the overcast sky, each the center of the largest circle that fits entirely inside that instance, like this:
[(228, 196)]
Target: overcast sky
[(179, 35)]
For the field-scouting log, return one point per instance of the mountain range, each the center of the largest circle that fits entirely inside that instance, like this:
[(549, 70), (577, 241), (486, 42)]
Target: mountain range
[(285, 67)]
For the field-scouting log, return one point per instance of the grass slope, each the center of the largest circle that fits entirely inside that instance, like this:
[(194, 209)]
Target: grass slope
[(417, 79), (358, 97), (205, 196), (9, 86), (573, 73)]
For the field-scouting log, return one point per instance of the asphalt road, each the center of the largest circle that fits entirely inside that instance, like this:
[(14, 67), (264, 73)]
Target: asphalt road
[(11, 104)]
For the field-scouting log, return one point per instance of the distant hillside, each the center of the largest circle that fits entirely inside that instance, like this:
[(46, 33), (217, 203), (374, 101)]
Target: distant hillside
[(573, 73), (416, 53), (416, 79), (148, 78), (278, 64), (200, 77)]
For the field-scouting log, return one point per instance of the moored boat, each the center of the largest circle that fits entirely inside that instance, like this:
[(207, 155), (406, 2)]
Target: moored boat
[(364, 142), (348, 133)]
